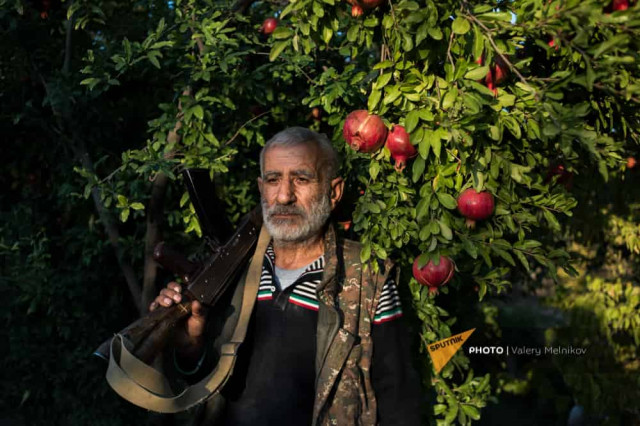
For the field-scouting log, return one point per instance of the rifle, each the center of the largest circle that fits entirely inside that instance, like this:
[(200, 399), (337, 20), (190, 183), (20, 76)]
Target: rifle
[(206, 282)]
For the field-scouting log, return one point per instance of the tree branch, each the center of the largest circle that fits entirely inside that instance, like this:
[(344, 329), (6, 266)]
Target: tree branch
[(112, 230), (155, 216), (502, 56)]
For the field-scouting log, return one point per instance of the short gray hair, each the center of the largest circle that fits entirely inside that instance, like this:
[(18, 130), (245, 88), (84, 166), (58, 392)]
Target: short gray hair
[(330, 163)]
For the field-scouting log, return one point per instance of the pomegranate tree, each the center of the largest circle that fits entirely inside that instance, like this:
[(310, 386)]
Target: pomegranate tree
[(475, 206), (364, 132), (432, 275), (400, 147)]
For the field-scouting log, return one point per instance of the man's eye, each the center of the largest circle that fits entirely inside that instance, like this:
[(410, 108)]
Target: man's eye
[(272, 181)]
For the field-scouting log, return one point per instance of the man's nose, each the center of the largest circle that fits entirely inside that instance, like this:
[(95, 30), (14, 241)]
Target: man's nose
[(286, 192)]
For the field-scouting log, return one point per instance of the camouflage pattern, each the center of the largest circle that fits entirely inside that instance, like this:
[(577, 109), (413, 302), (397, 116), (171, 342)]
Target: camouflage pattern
[(348, 296)]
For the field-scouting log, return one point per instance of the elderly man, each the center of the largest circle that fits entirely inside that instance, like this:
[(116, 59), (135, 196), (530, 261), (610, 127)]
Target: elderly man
[(324, 345)]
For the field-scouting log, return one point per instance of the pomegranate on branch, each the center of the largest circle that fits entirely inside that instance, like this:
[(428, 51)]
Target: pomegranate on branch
[(631, 163), (475, 206), (400, 147), (565, 177), (356, 10), (358, 6), (364, 132), (500, 71), (269, 25), (434, 276)]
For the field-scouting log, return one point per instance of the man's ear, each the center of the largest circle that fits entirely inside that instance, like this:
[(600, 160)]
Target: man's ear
[(337, 189), (259, 185)]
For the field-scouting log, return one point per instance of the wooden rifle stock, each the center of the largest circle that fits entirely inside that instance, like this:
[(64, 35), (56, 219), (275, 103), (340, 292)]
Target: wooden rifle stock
[(147, 336)]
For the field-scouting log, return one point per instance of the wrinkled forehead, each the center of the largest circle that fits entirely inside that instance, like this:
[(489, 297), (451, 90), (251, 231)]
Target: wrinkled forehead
[(300, 158)]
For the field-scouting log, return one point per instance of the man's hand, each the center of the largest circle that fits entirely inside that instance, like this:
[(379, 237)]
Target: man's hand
[(188, 341)]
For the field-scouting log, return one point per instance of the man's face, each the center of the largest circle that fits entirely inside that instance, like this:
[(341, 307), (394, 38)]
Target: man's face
[(296, 197)]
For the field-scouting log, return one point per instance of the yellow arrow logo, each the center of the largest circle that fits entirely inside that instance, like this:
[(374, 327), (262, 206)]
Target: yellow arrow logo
[(442, 351)]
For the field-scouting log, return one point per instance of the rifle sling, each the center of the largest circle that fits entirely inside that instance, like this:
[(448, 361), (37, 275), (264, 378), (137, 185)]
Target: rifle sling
[(146, 387)]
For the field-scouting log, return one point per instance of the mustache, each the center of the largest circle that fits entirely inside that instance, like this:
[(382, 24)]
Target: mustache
[(278, 209)]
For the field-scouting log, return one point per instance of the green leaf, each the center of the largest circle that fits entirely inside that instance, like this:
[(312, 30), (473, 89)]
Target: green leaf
[(352, 34), (374, 169), (411, 120), (327, 33), (365, 254), (551, 220), (470, 248), (124, 215), (449, 98), (417, 169), (445, 231), (477, 73), (447, 200), (522, 259), (277, 48), (91, 82), (425, 232), (423, 207), (470, 411), (422, 33), (184, 199), (154, 60), (505, 255), (317, 9), (197, 111), (383, 80), (460, 26), (281, 32), (423, 148), (435, 33), (137, 206), (374, 98)]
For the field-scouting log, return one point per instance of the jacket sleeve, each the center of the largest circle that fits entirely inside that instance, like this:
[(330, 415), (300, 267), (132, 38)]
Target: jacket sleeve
[(395, 380)]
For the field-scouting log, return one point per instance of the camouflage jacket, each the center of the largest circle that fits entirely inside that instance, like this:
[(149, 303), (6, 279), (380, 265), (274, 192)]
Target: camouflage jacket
[(348, 296)]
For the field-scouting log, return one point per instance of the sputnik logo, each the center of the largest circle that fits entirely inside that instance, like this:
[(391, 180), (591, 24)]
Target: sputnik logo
[(442, 351)]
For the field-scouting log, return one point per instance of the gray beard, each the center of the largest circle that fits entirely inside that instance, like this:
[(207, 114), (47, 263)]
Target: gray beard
[(284, 231)]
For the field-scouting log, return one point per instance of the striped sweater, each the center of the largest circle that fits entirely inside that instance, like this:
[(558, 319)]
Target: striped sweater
[(274, 378)]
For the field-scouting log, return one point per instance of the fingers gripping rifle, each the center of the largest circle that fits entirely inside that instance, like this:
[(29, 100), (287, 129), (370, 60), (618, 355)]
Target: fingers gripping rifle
[(147, 336)]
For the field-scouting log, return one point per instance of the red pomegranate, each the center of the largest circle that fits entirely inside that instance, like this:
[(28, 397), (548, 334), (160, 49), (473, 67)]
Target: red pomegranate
[(400, 147), (434, 276), (356, 10), (364, 4), (631, 163), (500, 71), (565, 177), (475, 205), (489, 82), (316, 113), (269, 25), (620, 5), (364, 132), (346, 225)]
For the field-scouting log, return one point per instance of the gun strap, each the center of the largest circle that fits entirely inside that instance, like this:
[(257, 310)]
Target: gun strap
[(146, 387)]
